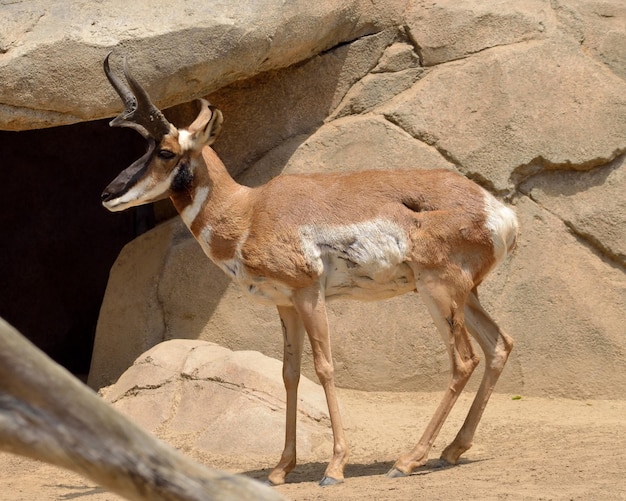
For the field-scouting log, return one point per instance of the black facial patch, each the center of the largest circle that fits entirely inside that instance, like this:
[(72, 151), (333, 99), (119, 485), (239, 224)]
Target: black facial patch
[(183, 178)]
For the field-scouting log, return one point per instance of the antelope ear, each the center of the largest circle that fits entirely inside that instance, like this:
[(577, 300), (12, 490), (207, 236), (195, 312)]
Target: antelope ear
[(207, 125)]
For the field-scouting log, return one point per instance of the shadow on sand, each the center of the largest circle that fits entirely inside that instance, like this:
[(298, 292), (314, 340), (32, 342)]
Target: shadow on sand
[(313, 472)]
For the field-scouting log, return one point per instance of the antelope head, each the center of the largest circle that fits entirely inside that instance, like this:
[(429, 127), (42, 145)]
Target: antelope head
[(167, 166)]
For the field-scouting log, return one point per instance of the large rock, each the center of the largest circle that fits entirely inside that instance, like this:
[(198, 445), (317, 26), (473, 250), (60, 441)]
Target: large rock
[(447, 29), (500, 116), (345, 145), (563, 302), (599, 27), (51, 53), (281, 106), (592, 204), (210, 400), (527, 98)]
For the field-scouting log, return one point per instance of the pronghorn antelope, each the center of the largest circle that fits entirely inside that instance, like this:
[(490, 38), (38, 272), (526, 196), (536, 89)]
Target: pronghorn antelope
[(47, 414), (299, 241)]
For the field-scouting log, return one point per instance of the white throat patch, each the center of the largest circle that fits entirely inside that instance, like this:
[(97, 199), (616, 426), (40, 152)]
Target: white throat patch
[(189, 213)]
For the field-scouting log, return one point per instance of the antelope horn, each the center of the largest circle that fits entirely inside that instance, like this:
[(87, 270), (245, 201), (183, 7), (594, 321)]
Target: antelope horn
[(139, 114)]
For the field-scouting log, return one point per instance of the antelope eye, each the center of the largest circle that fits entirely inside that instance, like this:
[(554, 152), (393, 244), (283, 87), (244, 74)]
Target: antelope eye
[(166, 154)]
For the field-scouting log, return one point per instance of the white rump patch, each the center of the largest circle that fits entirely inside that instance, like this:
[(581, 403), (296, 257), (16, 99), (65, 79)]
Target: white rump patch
[(503, 226)]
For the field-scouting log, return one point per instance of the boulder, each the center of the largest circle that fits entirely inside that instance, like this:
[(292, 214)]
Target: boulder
[(348, 144), (51, 53), (499, 116), (528, 98), (599, 27), (212, 402), (447, 30), (282, 106), (562, 301), (591, 204)]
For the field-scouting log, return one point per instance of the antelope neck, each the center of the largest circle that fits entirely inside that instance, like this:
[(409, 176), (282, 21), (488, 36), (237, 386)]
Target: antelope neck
[(210, 194), (194, 199)]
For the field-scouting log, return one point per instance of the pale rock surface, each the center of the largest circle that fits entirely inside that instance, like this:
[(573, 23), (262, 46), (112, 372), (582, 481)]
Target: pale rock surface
[(212, 400), (592, 204), (447, 29), (527, 98), (501, 116), (564, 304), (279, 106), (51, 52), (348, 144), (599, 26)]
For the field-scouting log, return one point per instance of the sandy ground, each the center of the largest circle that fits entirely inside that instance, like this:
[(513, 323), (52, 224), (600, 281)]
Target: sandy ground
[(526, 449)]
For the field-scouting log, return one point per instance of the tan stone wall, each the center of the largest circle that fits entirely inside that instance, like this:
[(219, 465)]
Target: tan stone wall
[(527, 98)]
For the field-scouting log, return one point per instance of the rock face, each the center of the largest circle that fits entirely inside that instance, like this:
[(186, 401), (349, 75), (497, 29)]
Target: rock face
[(528, 98), (195, 48), (210, 400)]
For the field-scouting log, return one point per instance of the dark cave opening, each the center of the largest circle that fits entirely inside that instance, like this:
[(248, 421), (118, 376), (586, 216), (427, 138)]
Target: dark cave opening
[(57, 241)]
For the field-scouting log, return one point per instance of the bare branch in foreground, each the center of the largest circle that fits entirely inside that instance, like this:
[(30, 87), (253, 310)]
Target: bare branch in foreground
[(47, 414)]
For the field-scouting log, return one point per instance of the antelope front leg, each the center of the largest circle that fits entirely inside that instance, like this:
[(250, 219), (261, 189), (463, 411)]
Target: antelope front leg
[(293, 334), (310, 304)]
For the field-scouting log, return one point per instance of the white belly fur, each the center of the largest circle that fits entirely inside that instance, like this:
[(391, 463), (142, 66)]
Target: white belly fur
[(363, 260)]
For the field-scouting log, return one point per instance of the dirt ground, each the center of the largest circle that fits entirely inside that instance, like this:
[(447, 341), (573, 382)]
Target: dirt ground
[(525, 449)]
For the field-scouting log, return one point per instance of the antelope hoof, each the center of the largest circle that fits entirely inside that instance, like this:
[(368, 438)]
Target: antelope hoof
[(275, 481), (395, 473), (452, 453), (327, 481)]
